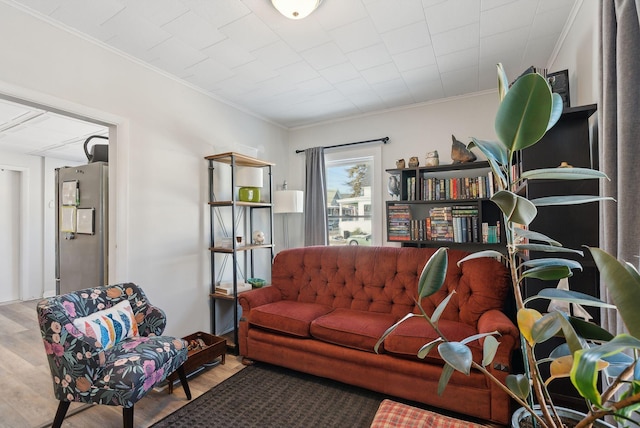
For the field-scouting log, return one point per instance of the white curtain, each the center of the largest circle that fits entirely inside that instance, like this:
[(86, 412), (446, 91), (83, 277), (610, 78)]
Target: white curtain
[(619, 134), (316, 229)]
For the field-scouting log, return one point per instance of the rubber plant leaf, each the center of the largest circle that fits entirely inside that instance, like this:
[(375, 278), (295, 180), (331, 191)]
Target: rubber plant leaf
[(489, 349), (623, 287), (524, 113), (548, 273), (518, 384), (559, 368), (552, 261), (426, 348), (391, 329), (480, 254), (572, 297), (478, 336), (433, 274), (584, 373), (441, 307), (546, 248), (447, 371), (568, 200), (516, 208), (557, 105), (491, 149), (535, 236), (526, 318), (457, 355), (546, 327), (589, 330), (563, 174), (503, 82), (632, 271)]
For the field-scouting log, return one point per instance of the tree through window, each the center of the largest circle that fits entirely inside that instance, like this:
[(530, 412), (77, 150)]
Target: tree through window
[(349, 186)]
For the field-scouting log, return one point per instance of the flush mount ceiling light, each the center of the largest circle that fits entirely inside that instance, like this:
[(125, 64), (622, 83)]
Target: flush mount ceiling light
[(296, 9)]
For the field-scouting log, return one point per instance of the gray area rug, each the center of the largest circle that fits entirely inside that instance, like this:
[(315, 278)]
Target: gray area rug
[(267, 396)]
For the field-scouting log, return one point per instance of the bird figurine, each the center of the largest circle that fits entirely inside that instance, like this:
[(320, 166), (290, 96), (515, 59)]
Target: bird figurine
[(460, 153), (393, 187), (432, 158)]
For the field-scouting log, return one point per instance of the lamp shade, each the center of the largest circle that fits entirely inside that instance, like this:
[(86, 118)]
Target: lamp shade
[(296, 9), (249, 177), (288, 201)]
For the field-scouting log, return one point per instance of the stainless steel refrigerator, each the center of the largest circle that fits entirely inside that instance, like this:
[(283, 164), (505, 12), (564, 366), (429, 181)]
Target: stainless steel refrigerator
[(82, 227)]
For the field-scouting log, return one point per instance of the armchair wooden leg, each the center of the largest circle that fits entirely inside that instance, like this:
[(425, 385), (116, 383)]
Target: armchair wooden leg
[(127, 417), (60, 413), (184, 382)]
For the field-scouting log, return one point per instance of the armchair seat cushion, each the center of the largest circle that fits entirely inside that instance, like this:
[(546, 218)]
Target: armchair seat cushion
[(133, 366)]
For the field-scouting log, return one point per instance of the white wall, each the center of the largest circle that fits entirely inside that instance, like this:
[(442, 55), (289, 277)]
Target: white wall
[(578, 53), (158, 174), (412, 131)]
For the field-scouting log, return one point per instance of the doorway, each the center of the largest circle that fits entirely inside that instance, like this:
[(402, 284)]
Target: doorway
[(34, 141), (10, 219)]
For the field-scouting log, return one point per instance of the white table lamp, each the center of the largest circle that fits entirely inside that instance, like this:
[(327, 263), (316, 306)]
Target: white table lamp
[(287, 202)]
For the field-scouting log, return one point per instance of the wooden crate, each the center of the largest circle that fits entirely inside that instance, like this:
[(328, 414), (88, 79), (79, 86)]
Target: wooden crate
[(215, 347)]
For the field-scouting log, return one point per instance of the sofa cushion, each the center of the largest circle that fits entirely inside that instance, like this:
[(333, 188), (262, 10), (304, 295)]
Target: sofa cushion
[(414, 333), (287, 316), (352, 328)]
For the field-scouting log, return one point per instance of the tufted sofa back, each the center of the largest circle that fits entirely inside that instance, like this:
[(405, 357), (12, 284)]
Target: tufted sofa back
[(385, 280)]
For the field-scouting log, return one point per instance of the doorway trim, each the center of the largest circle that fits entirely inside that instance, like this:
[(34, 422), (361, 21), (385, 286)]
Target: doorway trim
[(23, 271), (118, 172)]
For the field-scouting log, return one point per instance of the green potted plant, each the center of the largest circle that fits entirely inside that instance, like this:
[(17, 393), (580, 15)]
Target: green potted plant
[(527, 110)]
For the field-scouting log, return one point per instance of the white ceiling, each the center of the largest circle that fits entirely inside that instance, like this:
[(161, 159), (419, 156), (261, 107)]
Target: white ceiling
[(348, 58), (37, 132)]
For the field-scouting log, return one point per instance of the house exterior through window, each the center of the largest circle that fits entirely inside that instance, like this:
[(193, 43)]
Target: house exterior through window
[(349, 200)]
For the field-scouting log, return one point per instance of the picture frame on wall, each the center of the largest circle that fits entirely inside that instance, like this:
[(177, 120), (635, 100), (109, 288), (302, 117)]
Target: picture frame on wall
[(559, 82)]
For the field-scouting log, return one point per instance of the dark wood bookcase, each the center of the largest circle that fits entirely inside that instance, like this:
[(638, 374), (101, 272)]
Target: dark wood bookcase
[(575, 225)]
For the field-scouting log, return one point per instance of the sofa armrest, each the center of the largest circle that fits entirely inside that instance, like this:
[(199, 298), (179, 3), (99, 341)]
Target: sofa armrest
[(258, 297), (495, 320)]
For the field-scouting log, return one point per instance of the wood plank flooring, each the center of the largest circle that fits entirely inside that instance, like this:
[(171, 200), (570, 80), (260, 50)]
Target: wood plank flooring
[(27, 399)]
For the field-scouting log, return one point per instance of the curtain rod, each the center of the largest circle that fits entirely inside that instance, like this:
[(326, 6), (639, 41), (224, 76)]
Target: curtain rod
[(384, 140)]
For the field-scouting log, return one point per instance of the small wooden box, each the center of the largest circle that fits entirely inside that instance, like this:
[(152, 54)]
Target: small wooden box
[(215, 347)]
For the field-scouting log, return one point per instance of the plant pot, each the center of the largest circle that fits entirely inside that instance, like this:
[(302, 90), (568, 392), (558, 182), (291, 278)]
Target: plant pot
[(521, 418)]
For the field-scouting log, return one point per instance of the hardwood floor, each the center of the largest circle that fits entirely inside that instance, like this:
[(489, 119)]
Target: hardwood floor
[(28, 399)]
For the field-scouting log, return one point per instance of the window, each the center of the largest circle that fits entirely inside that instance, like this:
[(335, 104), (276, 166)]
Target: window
[(350, 184)]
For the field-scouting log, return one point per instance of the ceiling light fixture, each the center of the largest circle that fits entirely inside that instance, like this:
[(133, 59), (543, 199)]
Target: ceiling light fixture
[(296, 9)]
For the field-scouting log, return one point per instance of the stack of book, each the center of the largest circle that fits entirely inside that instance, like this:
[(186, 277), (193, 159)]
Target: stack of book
[(399, 218)]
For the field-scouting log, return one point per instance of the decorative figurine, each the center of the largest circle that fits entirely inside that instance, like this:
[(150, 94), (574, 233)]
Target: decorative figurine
[(413, 162), (400, 163), (460, 153), (432, 159), (393, 187), (258, 237)]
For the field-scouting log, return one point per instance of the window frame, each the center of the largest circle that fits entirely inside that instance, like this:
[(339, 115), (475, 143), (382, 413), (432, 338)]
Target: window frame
[(375, 153)]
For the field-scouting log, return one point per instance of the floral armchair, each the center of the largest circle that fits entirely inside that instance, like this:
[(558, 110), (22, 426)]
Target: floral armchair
[(105, 346)]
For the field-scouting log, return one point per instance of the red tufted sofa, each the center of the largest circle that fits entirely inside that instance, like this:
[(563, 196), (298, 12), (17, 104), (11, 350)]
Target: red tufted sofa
[(327, 307)]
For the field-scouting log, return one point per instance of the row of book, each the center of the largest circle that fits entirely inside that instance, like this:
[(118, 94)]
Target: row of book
[(459, 224), (435, 189)]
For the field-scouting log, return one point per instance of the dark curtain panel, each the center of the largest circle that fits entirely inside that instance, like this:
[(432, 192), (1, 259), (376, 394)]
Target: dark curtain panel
[(315, 198), (619, 129)]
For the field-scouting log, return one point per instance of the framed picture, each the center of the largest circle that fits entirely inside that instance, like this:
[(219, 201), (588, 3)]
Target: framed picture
[(85, 222), (68, 219), (70, 192), (559, 82)]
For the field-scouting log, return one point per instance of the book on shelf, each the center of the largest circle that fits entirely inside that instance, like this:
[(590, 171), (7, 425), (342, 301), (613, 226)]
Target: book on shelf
[(438, 189)]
